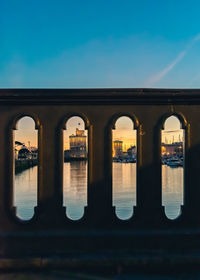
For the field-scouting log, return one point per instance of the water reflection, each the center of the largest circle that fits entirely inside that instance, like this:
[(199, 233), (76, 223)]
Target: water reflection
[(75, 188), (25, 192), (172, 188), (124, 188)]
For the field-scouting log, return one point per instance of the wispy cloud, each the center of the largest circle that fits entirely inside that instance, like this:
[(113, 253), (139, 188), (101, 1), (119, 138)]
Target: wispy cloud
[(156, 78), (197, 38)]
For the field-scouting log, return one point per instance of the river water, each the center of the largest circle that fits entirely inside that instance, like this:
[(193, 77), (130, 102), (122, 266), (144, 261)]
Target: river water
[(75, 190)]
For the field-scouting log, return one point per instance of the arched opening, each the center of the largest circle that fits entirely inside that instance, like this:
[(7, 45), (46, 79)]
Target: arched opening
[(25, 167), (172, 158), (75, 171), (124, 155)]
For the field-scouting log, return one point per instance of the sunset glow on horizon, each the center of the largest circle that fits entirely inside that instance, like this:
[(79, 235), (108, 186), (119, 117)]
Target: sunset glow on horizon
[(172, 131), (124, 131), (26, 132), (71, 125)]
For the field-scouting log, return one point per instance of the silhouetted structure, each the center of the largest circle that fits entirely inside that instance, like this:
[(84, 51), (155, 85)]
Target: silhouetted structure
[(100, 239)]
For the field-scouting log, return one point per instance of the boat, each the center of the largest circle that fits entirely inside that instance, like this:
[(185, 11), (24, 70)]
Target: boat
[(174, 162)]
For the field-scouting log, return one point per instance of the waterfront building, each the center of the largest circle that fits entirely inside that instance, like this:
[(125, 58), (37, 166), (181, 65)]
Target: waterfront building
[(77, 145), (172, 149), (117, 148), (132, 151), (24, 153), (34, 153), (18, 146)]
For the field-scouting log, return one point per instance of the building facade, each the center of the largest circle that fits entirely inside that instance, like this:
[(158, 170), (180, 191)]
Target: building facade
[(77, 143), (117, 148), (172, 149)]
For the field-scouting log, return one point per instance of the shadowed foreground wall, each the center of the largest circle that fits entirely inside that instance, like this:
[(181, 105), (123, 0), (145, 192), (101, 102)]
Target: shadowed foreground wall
[(99, 233)]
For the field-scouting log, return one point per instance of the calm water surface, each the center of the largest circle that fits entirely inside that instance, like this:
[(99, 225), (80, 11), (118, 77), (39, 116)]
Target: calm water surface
[(172, 181), (75, 191), (75, 188), (25, 192)]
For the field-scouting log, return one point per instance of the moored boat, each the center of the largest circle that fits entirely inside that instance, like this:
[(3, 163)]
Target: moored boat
[(174, 162)]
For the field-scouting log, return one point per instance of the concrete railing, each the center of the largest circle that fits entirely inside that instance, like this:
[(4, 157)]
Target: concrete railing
[(50, 231)]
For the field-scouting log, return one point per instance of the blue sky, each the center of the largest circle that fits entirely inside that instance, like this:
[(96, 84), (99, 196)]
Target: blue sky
[(113, 43)]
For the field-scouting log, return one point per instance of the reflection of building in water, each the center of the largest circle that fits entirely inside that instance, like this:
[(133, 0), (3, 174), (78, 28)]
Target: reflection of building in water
[(117, 148), (77, 145), (172, 149), (78, 176)]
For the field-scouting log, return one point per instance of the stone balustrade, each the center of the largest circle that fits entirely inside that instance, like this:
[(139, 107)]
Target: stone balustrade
[(50, 232)]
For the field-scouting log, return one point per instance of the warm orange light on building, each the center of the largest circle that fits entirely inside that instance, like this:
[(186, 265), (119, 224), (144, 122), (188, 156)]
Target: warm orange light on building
[(77, 144), (117, 148), (163, 150)]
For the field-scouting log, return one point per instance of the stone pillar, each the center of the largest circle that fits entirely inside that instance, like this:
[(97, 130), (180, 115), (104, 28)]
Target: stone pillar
[(6, 182), (191, 208), (50, 209), (149, 210), (99, 211)]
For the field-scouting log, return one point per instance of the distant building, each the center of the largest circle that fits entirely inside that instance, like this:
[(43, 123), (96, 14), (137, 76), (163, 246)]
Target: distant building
[(132, 151), (18, 146), (24, 153), (34, 153), (172, 149), (77, 145), (117, 148)]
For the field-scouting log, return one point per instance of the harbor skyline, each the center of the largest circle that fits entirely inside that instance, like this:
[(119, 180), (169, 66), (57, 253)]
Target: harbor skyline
[(26, 132), (124, 131)]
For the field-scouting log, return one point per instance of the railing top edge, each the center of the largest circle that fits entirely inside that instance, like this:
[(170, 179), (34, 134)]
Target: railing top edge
[(98, 95), (96, 90)]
